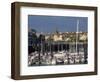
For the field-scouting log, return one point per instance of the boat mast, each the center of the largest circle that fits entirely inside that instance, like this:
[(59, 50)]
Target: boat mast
[(77, 34)]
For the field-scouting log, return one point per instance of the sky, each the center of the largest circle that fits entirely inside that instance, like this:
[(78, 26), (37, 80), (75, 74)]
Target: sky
[(49, 24)]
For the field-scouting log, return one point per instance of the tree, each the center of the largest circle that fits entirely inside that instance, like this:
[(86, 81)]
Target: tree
[(32, 40), (41, 40)]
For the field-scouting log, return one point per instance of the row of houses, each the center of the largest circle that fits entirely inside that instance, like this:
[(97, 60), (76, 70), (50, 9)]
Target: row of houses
[(61, 36), (66, 36)]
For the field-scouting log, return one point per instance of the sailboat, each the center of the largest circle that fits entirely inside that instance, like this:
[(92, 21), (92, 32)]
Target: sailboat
[(79, 54), (74, 55)]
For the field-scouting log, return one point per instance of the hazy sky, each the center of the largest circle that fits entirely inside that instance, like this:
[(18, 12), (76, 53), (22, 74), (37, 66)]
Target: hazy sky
[(62, 23)]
